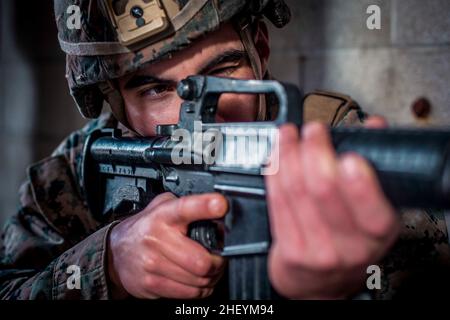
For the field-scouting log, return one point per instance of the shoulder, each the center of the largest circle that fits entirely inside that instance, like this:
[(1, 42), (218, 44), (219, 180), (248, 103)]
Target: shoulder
[(77, 138), (70, 150), (331, 108), (54, 183)]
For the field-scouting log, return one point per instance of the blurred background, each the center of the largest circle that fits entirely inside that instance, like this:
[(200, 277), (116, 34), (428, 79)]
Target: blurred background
[(401, 71)]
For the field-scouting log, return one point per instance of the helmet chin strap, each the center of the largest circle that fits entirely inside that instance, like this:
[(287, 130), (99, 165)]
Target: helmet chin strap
[(247, 38), (117, 103)]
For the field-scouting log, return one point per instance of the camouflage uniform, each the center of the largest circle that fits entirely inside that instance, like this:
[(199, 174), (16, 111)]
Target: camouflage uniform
[(53, 228)]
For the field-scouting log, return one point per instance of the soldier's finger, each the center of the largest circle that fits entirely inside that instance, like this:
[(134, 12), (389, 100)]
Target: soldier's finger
[(188, 254), (320, 167), (165, 268), (168, 288), (376, 122), (371, 210), (282, 196), (188, 209), (160, 199), (300, 223)]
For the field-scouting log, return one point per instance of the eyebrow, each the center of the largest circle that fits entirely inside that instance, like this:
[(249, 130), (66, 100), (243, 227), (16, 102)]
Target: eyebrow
[(139, 80), (225, 57)]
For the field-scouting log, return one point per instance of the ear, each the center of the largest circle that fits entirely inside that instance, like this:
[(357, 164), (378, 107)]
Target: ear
[(261, 40)]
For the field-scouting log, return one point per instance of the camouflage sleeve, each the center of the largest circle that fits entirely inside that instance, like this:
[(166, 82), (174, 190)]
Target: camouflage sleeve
[(52, 231), (418, 265)]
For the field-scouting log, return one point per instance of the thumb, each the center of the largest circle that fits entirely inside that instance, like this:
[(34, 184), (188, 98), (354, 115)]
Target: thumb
[(193, 208)]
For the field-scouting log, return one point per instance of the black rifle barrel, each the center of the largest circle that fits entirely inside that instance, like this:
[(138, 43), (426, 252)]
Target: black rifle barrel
[(134, 151), (413, 166)]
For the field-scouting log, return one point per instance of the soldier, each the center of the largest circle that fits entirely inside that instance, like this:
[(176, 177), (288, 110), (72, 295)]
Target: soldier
[(329, 217)]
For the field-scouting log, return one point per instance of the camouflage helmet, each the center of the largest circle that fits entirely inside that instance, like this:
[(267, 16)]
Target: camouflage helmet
[(116, 37)]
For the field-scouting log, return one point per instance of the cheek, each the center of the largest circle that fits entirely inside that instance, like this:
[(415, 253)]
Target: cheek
[(237, 108), (143, 116)]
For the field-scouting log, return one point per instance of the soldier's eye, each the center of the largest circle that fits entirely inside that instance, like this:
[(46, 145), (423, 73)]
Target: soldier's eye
[(155, 91), (225, 71)]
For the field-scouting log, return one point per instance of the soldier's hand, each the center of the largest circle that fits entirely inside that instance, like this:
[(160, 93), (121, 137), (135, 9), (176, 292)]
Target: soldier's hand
[(150, 255), (329, 217)]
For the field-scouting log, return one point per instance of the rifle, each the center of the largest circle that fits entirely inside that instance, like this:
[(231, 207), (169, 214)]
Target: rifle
[(122, 175)]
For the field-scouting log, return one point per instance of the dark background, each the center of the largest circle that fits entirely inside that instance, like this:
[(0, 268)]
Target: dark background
[(326, 46)]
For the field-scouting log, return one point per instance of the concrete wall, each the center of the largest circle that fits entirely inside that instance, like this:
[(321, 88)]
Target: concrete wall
[(36, 109), (326, 46)]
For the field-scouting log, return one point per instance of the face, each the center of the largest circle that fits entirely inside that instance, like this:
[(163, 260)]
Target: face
[(150, 94)]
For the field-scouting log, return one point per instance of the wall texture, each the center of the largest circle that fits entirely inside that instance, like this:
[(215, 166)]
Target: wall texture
[(36, 108), (326, 46)]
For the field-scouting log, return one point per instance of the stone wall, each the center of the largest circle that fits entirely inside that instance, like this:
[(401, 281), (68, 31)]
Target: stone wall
[(328, 46), (36, 108)]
